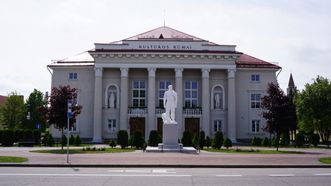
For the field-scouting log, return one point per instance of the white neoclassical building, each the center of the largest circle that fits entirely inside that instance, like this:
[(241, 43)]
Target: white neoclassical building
[(121, 86)]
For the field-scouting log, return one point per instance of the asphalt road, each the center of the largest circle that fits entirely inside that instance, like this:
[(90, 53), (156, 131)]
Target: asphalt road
[(153, 176)]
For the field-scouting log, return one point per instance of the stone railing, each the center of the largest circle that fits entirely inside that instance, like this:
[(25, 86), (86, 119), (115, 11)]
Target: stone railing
[(192, 111), (159, 111), (137, 112)]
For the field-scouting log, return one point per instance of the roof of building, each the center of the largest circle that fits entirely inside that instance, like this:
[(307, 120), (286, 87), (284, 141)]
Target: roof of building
[(291, 81), (160, 34), (3, 100), (247, 61)]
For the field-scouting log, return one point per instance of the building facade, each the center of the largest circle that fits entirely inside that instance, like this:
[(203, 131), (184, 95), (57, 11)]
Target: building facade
[(121, 86)]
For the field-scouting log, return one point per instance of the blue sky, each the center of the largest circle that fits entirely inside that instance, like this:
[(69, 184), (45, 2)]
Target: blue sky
[(295, 34)]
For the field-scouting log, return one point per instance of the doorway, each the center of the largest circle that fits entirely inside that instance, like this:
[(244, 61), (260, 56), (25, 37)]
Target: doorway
[(192, 125), (137, 124)]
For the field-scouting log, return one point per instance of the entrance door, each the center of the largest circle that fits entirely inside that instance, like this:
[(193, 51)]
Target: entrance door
[(137, 124), (192, 124)]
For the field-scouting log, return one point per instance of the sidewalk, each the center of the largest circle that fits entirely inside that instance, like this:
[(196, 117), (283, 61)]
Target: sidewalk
[(139, 158)]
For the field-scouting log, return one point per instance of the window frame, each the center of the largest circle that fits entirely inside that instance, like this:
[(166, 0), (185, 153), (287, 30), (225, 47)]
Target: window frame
[(110, 125), (139, 99), (73, 76), (255, 103), (191, 90), (255, 78), (255, 126)]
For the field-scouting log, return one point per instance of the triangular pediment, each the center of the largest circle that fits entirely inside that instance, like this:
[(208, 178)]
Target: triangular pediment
[(166, 33)]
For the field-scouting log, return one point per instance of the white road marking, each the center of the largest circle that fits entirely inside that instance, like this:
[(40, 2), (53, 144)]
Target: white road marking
[(116, 170), (228, 175), (158, 171), (281, 175), (322, 174), (138, 171), (163, 171), (99, 175)]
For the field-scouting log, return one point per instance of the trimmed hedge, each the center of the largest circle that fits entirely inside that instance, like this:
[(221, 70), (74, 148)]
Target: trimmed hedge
[(218, 140), (154, 138), (138, 140), (71, 140), (314, 139), (78, 141), (187, 139), (123, 138), (266, 142), (299, 139), (227, 143), (208, 142), (202, 141), (256, 141), (8, 138), (112, 143)]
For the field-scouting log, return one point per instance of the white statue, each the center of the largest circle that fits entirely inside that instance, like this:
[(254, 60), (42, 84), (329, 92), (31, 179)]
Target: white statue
[(217, 101), (170, 103), (112, 100)]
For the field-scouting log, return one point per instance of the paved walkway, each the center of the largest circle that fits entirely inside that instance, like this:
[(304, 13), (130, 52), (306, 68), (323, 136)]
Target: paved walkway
[(310, 157)]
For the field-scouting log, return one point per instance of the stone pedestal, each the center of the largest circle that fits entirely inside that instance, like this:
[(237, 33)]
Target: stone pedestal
[(170, 137)]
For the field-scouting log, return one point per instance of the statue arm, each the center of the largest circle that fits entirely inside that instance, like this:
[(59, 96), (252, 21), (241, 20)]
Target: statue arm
[(175, 100), (164, 100)]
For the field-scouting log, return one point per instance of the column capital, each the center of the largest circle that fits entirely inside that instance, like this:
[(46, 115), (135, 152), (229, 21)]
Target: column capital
[(205, 72), (231, 73), (151, 72), (179, 72), (124, 72), (98, 71)]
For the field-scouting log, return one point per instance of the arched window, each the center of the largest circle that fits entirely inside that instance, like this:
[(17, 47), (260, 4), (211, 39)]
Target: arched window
[(217, 97), (112, 96)]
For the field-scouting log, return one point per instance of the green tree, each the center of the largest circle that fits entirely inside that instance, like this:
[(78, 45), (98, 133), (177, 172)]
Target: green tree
[(56, 113), (154, 138), (314, 108), (34, 105), (227, 143), (202, 141), (187, 139), (279, 111), (123, 138), (13, 111)]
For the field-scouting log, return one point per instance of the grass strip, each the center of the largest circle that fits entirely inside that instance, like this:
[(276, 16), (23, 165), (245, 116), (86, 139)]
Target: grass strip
[(12, 159)]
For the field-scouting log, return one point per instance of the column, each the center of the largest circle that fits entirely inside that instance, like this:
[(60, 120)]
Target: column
[(97, 120), (151, 102), (232, 129), (179, 109), (205, 102), (124, 99)]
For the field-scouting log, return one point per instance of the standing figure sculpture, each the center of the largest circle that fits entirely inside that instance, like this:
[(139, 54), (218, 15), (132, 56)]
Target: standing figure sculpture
[(170, 103)]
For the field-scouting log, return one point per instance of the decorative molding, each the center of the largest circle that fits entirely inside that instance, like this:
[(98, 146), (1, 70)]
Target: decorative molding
[(179, 72), (98, 71), (205, 72), (151, 72), (231, 73), (124, 72)]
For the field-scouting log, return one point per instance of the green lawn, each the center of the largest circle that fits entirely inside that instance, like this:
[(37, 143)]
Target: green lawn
[(86, 151), (252, 151), (12, 159), (326, 160)]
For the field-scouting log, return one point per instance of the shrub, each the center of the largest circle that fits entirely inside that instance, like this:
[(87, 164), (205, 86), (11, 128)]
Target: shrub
[(284, 140), (28, 135), (256, 141), (154, 138), (50, 140), (18, 134), (274, 142), (64, 140), (208, 142), (314, 139), (37, 136), (8, 138), (266, 142), (122, 138), (0, 136), (138, 140), (195, 141), (187, 139), (218, 140), (78, 141), (299, 139), (202, 141), (71, 140), (112, 143), (227, 143)]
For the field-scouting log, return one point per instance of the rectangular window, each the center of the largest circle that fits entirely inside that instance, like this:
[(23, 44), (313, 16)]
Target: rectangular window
[(255, 100), (217, 125), (112, 125), (256, 126), (162, 88), (255, 77), (138, 93), (191, 94), (73, 76)]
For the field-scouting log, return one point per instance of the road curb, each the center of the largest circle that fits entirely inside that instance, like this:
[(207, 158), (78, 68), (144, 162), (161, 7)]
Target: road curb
[(160, 166)]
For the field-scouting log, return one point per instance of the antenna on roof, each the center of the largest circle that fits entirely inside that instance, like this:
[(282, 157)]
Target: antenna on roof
[(164, 18)]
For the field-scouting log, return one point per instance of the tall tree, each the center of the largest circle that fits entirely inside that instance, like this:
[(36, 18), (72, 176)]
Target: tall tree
[(279, 111), (314, 108), (34, 104), (12, 113), (56, 113)]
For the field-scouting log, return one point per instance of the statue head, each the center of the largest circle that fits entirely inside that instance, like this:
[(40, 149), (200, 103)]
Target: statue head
[(170, 87)]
